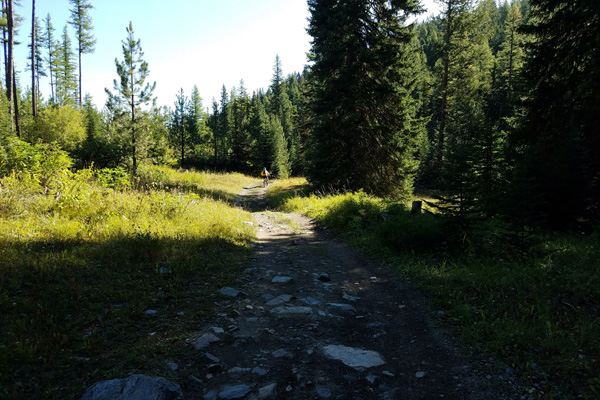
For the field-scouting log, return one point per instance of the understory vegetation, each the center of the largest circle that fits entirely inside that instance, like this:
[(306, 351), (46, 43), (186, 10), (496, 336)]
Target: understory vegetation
[(84, 255), (537, 310)]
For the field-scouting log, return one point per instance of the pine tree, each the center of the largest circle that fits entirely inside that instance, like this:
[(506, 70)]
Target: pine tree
[(222, 130), (280, 163), (34, 58), (65, 67), (260, 133), (132, 90), (82, 22), (180, 135), (10, 67), (50, 45), (196, 120), (560, 141), (453, 17), (467, 163), (239, 127), (363, 131)]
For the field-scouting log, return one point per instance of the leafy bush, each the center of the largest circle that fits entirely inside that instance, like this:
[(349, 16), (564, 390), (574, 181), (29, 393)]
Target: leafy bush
[(404, 231), (63, 125), (114, 178), (45, 164)]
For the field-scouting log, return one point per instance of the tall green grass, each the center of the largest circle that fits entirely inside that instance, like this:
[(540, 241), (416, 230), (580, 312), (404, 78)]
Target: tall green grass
[(81, 262), (539, 313)]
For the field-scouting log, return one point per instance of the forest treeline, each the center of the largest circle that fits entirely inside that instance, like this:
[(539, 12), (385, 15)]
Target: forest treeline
[(487, 105)]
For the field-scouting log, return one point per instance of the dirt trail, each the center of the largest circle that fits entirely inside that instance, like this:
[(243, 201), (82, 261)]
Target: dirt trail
[(314, 319)]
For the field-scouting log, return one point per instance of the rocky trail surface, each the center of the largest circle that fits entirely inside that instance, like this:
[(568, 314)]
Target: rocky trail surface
[(313, 319)]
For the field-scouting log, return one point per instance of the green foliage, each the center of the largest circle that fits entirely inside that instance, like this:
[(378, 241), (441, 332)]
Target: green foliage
[(132, 91), (65, 69), (361, 86), (178, 127), (559, 140), (44, 164), (113, 178), (81, 20), (422, 233), (77, 272), (279, 150), (61, 124)]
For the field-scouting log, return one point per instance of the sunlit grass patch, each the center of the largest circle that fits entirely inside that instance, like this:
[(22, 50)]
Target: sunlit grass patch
[(219, 186), (79, 267)]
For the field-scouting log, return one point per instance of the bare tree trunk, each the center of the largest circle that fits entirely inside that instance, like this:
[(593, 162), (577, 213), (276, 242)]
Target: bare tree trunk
[(445, 80), (133, 142), (16, 101), (10, 62), (4, 44), (33, 63)]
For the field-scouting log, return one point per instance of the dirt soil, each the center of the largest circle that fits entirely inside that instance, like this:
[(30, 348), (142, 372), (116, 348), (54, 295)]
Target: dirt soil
[(332, 325)]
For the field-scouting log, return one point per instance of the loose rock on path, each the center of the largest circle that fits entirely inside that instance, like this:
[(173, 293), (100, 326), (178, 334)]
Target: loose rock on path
[(313, 319)]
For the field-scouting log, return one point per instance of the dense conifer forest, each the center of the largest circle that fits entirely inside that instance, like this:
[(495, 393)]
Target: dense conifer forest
[(487, 105)]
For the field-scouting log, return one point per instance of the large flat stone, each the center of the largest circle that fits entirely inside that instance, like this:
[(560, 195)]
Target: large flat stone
[(234, 392), (205, 340), (352, 357), (282, 279), (284, 298), (135, 387), (231, 292), (291, 310)]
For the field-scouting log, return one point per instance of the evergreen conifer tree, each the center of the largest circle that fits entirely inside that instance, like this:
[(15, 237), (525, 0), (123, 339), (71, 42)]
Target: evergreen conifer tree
[(50, 47), (560, 142), (363, 127), (180, 134), (65, 67), (196, 120), (132, 90), (82, 22)]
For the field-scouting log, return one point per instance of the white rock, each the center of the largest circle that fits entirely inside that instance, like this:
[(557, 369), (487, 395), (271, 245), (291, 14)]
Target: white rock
[(205, 340), (355, 358), (292, 310), (282, 279), (267, 392), (284, 298)]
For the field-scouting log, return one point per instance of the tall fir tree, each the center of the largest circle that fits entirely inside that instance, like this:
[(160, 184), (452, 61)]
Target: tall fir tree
[(50, 47), (222, 130), (65, 68), (81, 20), (196, 120), (239, 127), (132, 90), (34, 60), (559, 142), (180, 135), (363, 126), (280, 158)]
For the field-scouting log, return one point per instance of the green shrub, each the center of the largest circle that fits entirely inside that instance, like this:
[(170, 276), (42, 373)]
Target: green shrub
[(114, 178), (403, 231), (63, 125)]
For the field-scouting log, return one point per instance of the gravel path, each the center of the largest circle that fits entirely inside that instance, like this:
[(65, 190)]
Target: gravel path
[(313, 319)]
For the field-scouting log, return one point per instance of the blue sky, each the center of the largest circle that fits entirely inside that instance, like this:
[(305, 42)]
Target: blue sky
[(186, 42)]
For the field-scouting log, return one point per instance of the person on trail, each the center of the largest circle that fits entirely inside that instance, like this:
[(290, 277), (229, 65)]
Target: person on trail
[(265, 174)]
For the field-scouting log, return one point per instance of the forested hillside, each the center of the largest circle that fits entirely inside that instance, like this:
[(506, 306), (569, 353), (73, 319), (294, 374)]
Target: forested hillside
[(488, 105)]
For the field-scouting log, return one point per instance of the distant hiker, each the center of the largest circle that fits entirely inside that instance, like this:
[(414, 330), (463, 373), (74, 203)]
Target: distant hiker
[(264, 173)]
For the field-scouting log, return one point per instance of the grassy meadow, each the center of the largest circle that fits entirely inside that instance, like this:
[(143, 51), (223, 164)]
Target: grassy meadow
[(84, 255), (538, 313)]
